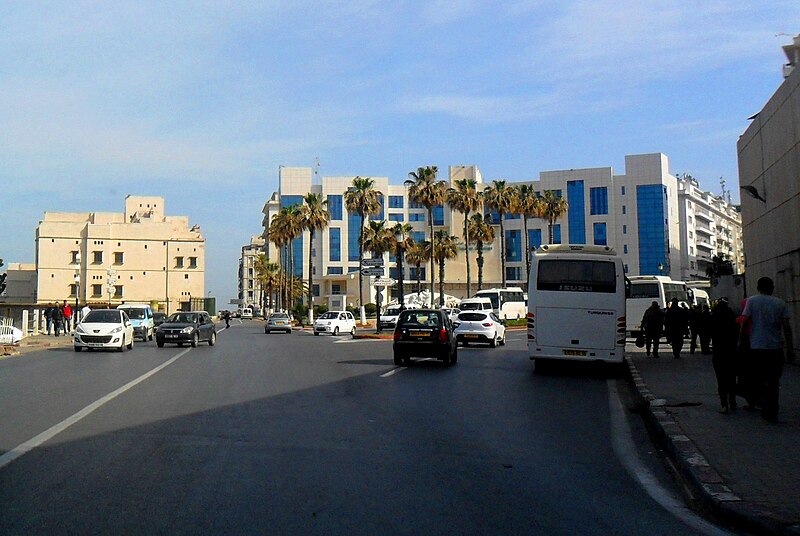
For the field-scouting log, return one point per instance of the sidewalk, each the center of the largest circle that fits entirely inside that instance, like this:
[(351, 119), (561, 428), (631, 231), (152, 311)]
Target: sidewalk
[(36, 342), (741, 467)]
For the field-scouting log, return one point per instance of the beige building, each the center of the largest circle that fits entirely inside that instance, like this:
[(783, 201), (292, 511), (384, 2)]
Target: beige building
[(769, 176), (140, 255), (249, 287)]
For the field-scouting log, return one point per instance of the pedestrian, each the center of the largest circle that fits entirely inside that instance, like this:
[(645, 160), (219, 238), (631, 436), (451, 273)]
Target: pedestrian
[(704, 329), (85, 311), (67, 317), (724, 334), (48, 316), (652, 326), (227, 317), (676, 325), (694, 327), (768, 317), (58, 319)]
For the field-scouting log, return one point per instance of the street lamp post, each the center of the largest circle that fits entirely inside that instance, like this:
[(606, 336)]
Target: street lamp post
[(399, 237)]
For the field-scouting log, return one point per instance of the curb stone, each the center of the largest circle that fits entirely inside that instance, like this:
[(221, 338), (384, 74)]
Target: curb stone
[(705, 482)]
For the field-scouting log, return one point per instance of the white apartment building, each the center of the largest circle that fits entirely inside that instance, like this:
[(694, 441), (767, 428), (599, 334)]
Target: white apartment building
[(249, 287), (140, 255), (710, 226), (636, 212)]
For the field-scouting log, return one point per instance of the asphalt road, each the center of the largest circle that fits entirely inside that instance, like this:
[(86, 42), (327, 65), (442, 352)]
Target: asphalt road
[(296, 434)]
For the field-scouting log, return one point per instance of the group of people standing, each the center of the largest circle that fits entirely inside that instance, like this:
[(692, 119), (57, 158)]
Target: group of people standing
[(58, 318), (747, 351)]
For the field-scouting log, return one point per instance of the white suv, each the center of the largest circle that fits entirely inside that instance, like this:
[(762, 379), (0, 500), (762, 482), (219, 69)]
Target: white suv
[(335, 322)]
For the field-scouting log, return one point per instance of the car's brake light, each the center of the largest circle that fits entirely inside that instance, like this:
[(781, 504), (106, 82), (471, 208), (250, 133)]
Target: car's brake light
[(443, 335), (397, 335), (487, 324)]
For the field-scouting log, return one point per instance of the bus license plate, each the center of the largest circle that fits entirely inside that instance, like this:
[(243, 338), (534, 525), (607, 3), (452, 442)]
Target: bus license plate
[(575, 352)]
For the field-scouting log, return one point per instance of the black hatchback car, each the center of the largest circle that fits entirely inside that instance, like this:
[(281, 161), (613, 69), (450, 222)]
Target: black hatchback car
[(191, 327), (424, 333)]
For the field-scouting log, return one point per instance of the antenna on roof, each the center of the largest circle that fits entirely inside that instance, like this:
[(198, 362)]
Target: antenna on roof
[(722, 185), (316, 171)]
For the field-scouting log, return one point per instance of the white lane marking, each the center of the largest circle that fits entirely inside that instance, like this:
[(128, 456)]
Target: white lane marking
[(54, 430), (401, 369), (353, 341), (628, 456)]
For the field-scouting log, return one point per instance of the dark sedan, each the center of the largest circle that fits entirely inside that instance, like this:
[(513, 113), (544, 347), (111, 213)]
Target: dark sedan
[(424, 333), (187, 328)]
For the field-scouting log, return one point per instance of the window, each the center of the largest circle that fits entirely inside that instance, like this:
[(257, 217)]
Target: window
[(117, 291), (417, 273), (418, 236), (97, 257), (577, 276), (396, 217), (534, 238), (395, 201), (624, 229), (557, 233), (192, 262), (416, 216), (74, 255), (577, 212), (513, 246), (178, 262), (598, 201), (97, 291), (415, 204), (335, 270), (119, 257), (335, 207), (624, 209), (353, 230), (625, 248), (600, 237), (622, 191), (73, 290), (512, 273), (315, 290), (380, 215), (334, 244), (336, 289)]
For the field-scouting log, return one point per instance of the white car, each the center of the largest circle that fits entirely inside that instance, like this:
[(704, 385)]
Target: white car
[(335, 322), (104, 328), (8, 333), (388, 319), (452, 312), (480, 327)]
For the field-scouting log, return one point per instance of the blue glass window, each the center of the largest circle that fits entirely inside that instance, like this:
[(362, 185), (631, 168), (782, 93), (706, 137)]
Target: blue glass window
[(600, 237), (415, 204), (380, 215), (512, 273), (395, 201), (557, 233), (393, 272), (315, 290), (352, 268), (335, 206), (534, 238), (335, 270), (509, 216), (334, 244), (514, 245), (625, 249), (598, 199), (492, 218), (653, 234), (297, 243), (438, 215), (416, 216), (418, 236), (577, 212), (353, 233), (396, 217), (413, 273)]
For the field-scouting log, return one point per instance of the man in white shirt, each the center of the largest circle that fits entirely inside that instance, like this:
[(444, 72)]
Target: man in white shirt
[(768, 318)]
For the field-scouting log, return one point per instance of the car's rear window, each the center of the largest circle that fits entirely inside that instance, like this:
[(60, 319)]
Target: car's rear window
[(472, 317), (431, 319), (279, 317)]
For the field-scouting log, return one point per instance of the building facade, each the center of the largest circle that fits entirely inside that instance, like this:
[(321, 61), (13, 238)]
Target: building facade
[(710, 226), (250, 294), (769, 177), (637, 213), (140, 255)]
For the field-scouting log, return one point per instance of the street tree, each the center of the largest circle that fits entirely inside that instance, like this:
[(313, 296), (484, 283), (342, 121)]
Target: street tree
[(499, 197), (552, 208), (315, 218), (425, 189), (465, 198), (362, 198), (480, 232), (446, 248)]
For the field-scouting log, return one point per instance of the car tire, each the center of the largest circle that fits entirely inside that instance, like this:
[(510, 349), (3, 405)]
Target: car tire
[(152, 335), (454, 357), (353, 331), (213, 339), (316, 333), (78, 348), (493, 343), (195, 340), (406, 361), (130, 344), (446, 359), (336, 331), (503, 340), (288, 331), (160, 344), (266, 331), (398, 360), (122, 346)]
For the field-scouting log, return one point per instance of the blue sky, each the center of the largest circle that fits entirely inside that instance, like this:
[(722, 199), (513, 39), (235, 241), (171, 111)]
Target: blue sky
[(201, 102)]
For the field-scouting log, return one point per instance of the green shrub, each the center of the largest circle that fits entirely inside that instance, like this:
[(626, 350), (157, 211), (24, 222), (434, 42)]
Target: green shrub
[(370, 309)]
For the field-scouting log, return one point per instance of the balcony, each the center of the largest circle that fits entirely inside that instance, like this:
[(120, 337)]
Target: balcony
[(703, 214)]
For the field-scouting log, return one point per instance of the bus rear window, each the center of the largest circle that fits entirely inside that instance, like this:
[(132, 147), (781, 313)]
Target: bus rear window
[(576, 276)]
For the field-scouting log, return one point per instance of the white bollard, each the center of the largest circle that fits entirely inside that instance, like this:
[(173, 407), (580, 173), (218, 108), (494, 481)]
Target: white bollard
[(24, 323)]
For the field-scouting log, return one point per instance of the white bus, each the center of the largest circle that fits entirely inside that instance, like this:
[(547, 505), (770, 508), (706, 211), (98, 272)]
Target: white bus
[(576, 304), (646, 289), (507, 302)]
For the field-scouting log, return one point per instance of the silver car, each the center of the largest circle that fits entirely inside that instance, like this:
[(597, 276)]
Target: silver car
[(278, 322), (480, 327)]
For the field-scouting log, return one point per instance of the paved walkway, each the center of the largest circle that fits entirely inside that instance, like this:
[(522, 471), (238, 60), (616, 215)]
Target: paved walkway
[(743, 468)]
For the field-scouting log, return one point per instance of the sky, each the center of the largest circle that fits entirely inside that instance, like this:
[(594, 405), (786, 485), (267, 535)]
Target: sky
[(201, 102)]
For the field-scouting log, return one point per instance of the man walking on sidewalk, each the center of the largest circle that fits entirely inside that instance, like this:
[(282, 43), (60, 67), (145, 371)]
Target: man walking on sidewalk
[(676, 324), (768, 316), (652, 325)]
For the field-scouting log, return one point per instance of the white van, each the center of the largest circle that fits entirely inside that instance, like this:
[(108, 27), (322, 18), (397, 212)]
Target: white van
[(476, 304), (141, 316), (247, 312)]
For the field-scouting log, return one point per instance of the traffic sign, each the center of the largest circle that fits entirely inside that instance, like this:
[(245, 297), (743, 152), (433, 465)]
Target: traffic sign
[(372, 262), (384, 282), (374, 270)]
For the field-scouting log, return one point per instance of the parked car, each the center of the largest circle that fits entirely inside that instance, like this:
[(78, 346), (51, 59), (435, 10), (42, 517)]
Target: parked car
[(191, 327), (480, 327), (335, 322), (278, 322), (159, 318), (142, 318), (424, 333), (104, 328)]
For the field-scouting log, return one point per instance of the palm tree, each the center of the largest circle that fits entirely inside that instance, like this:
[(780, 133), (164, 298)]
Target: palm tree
[(417, 254), (465, 198), (552, 208), (315, 217), (278, 236), (427, 191), (480, 231), (499, 197), (446, 248), (285, 227), (401, 246), (378, 238), (268, 275), (364, 200), (528, 206)]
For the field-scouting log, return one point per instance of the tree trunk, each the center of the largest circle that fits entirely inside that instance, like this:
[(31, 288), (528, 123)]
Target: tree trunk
[(441, 282), (433, 248), (527, 251), (419, 281), (466, 250), (310, 277), (479, 246)]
